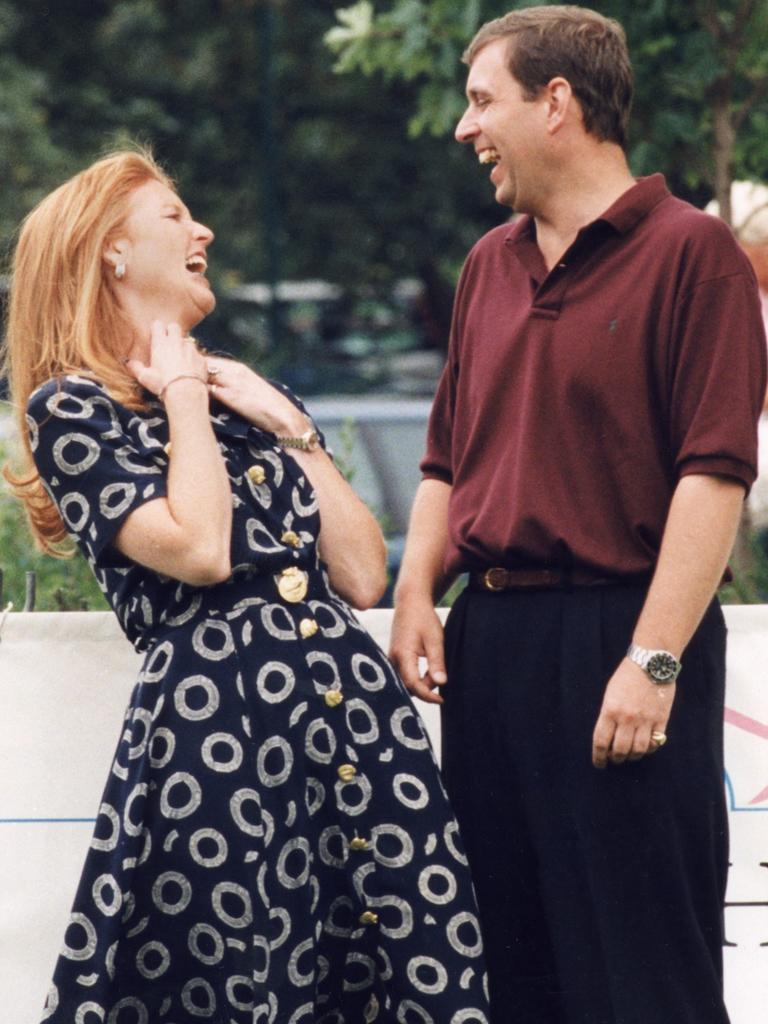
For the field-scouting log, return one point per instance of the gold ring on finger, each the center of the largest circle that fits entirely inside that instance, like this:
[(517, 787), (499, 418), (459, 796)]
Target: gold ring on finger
[(659, 738)]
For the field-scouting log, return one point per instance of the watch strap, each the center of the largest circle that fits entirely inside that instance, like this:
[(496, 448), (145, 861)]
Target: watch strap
[(306, 442)]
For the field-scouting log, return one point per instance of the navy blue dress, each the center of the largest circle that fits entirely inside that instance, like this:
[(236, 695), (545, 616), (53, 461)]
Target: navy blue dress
[(274, 844)]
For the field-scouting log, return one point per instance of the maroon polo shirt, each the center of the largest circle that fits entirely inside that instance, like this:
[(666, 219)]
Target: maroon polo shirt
[(573, 401)]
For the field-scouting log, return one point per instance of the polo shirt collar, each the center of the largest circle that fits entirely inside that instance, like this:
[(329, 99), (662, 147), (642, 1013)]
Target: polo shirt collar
[(628, 210), (636, 203)]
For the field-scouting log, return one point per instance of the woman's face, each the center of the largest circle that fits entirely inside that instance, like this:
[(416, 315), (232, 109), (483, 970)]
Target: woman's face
[(164, 252)]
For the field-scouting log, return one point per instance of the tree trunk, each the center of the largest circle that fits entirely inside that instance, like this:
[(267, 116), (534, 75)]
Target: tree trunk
[(722, 148)]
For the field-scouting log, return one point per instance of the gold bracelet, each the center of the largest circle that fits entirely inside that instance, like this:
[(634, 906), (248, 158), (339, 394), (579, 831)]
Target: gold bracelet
[(181, 376)]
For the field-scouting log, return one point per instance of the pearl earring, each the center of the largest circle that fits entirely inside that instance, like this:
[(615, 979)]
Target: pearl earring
[(120, 271)]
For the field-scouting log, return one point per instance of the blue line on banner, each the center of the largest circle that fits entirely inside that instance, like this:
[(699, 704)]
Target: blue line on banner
[(733, 806)]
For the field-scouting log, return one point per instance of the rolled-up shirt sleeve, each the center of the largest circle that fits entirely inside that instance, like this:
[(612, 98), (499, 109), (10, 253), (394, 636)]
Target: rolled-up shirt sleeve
[(718, 379)]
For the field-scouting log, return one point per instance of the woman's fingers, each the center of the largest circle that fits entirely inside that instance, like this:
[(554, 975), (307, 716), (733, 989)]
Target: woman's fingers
[(142, 373), (172, 354)]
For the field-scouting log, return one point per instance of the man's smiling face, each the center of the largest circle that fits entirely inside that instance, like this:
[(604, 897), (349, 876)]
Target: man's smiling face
[(504, 128)]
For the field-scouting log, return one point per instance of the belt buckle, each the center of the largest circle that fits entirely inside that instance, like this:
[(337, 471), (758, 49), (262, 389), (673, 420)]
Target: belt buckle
[(495, 579)]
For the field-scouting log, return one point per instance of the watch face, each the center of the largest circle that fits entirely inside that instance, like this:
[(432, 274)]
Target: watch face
[(662, 667), (313, 441)]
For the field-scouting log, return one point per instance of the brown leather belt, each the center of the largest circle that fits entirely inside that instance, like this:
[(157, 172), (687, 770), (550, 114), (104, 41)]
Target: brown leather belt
[(496, 579)]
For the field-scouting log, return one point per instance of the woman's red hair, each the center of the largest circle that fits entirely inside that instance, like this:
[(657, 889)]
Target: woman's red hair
[(63, 313)]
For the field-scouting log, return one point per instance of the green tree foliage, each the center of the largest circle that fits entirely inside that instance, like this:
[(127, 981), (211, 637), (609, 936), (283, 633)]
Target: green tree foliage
[(357, 202), (701, 109), (29, 160)]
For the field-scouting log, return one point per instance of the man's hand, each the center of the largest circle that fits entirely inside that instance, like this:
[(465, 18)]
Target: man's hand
[(418, 633), (633, 708)]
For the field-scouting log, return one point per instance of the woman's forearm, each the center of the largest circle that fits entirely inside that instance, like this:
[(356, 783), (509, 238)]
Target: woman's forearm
[(351, 541), (187, 534)]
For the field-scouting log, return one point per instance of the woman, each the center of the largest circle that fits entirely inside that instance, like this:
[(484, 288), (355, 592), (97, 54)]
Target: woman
[(274, 844)]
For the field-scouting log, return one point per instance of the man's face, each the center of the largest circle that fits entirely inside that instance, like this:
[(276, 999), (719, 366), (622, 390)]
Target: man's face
[(505, 129)]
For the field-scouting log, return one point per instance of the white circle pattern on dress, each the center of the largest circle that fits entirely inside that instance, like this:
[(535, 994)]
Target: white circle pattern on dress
[(234, 872)]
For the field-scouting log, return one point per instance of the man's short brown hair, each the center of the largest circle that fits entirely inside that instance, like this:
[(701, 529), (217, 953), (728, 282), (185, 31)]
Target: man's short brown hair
[(575, 43)]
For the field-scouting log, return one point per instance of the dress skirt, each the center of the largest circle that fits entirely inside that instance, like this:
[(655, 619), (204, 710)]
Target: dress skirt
[(274, 845)]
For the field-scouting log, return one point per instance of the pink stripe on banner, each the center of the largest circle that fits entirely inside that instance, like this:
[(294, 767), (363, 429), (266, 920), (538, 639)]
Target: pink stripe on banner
[(757, 729), (746, 723)]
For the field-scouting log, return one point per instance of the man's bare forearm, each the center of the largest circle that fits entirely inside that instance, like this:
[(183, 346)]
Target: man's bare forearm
[(416, 630), (422, 573), (698, 538)]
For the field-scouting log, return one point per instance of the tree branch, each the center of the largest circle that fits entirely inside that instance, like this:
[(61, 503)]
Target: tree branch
[(741, 19), (708, 17), (741, 113)]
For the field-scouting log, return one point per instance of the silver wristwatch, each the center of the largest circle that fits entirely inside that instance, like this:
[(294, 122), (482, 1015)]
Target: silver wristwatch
[(660, 666), (306, 442)]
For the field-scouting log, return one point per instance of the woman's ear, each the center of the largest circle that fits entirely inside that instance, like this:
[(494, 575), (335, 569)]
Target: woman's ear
[(115, 253)]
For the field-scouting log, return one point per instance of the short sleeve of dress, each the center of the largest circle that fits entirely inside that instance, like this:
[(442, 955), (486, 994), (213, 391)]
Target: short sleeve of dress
[(94, 458)]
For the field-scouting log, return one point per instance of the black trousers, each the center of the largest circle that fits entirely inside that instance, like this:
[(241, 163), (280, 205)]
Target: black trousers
[(601, 892)]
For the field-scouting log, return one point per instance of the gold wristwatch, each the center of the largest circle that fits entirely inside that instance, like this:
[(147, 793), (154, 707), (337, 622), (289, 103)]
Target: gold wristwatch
[(306, 442)]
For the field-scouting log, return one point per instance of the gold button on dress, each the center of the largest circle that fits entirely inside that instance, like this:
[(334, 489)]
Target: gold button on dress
[(292, 538), (256, 474), (333, 698), (292, 585), (368, 917), (307, 628), (346, 772)]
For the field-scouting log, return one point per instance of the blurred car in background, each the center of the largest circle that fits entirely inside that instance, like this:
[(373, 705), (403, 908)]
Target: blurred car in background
[(332, 340), (378, 444)]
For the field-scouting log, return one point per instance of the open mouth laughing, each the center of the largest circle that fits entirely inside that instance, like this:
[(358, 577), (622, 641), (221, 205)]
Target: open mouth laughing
[(196, 264)]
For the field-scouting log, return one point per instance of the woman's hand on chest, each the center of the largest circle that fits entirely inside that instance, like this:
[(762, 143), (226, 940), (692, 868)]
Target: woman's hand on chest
[(246, 393)]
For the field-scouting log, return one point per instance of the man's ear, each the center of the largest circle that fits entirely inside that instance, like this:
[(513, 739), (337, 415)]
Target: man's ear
[(560, 100)]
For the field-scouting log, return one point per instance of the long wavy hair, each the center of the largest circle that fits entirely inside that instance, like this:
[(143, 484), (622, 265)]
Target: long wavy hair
[(63, 312)]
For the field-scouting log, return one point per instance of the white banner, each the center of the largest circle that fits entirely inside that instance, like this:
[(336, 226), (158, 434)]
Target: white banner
[(65, 679)]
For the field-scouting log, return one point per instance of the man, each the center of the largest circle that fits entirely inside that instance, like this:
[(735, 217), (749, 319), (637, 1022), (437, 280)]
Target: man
[(589, 450)]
